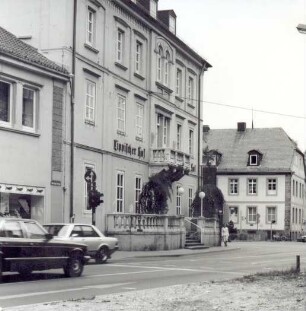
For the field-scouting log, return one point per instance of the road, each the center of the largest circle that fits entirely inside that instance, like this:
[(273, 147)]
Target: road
[(129, 274)]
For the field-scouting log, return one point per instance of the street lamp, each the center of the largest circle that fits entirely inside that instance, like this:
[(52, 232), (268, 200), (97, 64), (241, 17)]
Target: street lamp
[(201, 196), (220, 214), (272, 222), (180, 190)]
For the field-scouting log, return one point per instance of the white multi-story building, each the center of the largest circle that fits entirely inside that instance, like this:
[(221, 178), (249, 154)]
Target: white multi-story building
[(32, 100), (261, 173), (136, 97)]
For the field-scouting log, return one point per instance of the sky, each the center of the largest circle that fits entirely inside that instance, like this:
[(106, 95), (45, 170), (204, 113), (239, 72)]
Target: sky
[(258, 60)]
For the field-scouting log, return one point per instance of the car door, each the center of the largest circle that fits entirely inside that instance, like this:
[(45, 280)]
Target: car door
[(91, 238)]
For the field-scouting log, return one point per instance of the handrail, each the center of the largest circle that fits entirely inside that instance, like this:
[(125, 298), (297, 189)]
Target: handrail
[(187, 219)]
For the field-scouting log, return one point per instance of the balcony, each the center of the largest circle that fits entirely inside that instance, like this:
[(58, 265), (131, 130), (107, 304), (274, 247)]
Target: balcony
[(165, 156)]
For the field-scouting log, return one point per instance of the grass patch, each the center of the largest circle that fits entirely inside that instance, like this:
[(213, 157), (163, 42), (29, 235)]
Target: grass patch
[(286, 274)]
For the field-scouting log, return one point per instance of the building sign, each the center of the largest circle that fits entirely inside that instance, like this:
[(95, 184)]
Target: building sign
[(128, 149)]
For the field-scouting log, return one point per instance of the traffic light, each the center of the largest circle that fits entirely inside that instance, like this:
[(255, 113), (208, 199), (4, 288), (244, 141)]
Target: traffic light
[(94, 199)]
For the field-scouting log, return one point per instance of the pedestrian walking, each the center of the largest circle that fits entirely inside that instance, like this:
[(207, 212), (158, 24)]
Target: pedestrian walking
[(224, 234)]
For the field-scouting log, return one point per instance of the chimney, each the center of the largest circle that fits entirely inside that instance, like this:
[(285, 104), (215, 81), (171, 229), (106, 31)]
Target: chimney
[(206, 128), (241, 126)]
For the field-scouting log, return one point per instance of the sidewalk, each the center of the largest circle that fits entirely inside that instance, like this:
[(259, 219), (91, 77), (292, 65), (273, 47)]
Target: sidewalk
[(121, 255)]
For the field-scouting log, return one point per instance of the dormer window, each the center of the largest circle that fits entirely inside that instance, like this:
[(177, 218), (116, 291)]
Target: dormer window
[(255, 158), (153, 8), (172, 26)]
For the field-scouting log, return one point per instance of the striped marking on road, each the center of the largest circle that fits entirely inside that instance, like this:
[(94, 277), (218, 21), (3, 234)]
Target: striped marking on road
[(63, 290)]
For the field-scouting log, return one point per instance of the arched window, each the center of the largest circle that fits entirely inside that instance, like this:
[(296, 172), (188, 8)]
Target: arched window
[(167, 68), (159, 63)]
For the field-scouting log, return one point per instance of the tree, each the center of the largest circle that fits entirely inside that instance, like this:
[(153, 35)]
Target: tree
[(155, 193), (212, 202)]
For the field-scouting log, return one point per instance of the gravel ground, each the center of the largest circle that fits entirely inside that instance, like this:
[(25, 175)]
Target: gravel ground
[(273, 291)]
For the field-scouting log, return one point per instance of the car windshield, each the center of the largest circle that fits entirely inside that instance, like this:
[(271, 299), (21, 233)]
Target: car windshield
[(57, 230)]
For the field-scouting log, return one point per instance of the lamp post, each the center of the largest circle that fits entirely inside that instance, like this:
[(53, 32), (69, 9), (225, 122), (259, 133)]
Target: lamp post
[(201, 196), (220, 215)]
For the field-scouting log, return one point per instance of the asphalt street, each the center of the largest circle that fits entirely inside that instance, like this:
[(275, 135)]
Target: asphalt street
[(129, 271)]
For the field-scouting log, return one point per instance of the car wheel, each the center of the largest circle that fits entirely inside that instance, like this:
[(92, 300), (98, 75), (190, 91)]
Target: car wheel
[(74, 267), (102, 255), (25, 271)]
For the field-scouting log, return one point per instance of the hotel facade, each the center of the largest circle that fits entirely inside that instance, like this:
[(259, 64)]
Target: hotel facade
[(132, 105)]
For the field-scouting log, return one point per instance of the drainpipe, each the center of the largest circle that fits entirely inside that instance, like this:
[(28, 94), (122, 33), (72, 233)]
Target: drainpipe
[(71, 214), (199, 124)]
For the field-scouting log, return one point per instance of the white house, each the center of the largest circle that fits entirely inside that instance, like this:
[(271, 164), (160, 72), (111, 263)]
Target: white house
[(261, 172)]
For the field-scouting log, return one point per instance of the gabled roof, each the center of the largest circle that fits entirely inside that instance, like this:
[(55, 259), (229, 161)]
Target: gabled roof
[(275, 145), (13, 47)]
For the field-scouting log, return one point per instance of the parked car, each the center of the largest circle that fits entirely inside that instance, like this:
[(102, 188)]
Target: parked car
[(302, 238), (26, 246), (280, 237), (99, 247)]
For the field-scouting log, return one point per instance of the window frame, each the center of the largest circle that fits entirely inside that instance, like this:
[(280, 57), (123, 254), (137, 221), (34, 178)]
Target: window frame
[(9, 104), (162, 131), (139, 120), (251, 158), (190, 201), (90, 23), (167, 69), (159, 66), (34, 127), (120, 191), (236, 213), (251, 221), (88, 98), (138, 57), (190, 89), (179, 131), (269, 182), (121, 110), (120, 42), (232, 184), (250, 183), (268, 214), (178, 201), (179, 75), (191, 141), (138, 188)]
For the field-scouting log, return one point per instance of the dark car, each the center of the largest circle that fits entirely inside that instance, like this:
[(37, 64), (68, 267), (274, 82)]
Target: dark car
[(99, 246), (302, 238), (26, 246)]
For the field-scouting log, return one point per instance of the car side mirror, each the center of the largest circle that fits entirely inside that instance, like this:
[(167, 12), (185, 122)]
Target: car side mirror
[(49, 236)]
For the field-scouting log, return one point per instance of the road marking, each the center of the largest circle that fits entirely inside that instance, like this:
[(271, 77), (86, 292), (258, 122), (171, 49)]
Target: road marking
[(160, 268), (63, 290), (129, 288), (274, 261)]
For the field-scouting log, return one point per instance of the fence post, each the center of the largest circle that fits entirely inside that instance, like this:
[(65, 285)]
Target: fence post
[(298, 264)]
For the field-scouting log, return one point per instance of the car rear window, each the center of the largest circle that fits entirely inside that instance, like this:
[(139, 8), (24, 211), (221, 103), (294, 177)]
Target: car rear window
[(57, 230)]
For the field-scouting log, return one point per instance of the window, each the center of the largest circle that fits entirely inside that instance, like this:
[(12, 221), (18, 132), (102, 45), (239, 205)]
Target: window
[(253, 159), (28, 108), (121, 113), (120, 47), (138, 57), (34, 231), (190, 200), (179, 137), (90, 26), (271, 214), (271, 186), (159, 64), (233, 186), (88, 232), (5, 102), (120, 192), (178, 201), (86, 167), (167, 68), (190, 89), (90, 101), (252, 214), (191, 142), (293, 187), (233, 214), (172, 24), (153, 8), (163, 128), (252, 186), (179, 82), (12, 229), (139, 120), (138, 187)]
